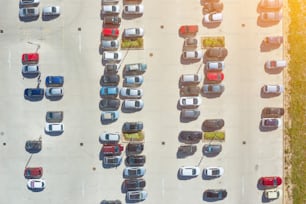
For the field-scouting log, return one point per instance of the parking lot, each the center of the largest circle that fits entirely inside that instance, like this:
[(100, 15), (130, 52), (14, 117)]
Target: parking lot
[(69, 46)]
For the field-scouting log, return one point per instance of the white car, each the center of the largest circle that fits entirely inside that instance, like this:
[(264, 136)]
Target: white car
[(213, 171), (131, 93), (214, 66), (109, 2), (189, 171), (133, 32), (29, 2), (54, 127), (275, 64), (30, 69), (136, 80), (133, 9), (190, 101), (272, 194), (132, 104), (108, 137), (29, 12), (110, 44), (51, 11), (196, 54), (273, 89), (136, 195), (54, 91), (112, 56), (110, 9), (213, 18), (36, 184), (190, 79)]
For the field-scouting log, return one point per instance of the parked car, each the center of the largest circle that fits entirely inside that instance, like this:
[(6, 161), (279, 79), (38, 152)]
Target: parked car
[(213, 171), (208, 1), (271, 122), (111, 201), (189, 171), (109, 138), (271, 16), (34, 93), (212, 124), (110, 32), (54, 92), (275, 64), (273, 89), (29, 12), (190, 101), (216, 53), (133, 32), (54, 116), (30, 69), (130, 127), (212, 7), (112, 149), (188, 30), (132, 104), (134, 172), (54, 81), (132, 81), (54, 127), (213, 88), (112, 160), (36, 184), (273, 40), (190, 137), (131, 92), (214, 76), (105, 2), (137, 136), (30, 58), (134, 148), (189, 79), (214, 66), (109, 91), (107, 104), (215, 194), (193, 55), (186, 150), (137, 68), (135, 160), (134, 184), (213, 17), (190, 114), (110, 80), (133, 9), (111, 68), (272, 194), (109, 116), (110, 10), (33, 172), (51, 11), (112, 20), (270, 181), (110, 44), (212, 149), (136, 195), (271, 112), (271, 4), (190, 44), (29, 2), (112, 56), (190, 91), (33, 145)]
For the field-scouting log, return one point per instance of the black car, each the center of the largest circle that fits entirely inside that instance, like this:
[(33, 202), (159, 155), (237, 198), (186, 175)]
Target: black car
[(54, 116), (212, 149), (186, 150), (33, 145), (134, 184), (112, 20), (109, 104), (111, 202), (270, 112), (34, 93), (212, 125), (134, 148), (135, 160), (215, 194), (110, 80), (131, 127), (190, 137), (111, 68)]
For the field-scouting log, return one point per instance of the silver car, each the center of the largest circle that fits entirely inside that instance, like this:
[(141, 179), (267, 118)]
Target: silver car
[(51, 11), (273, 89), (54, 91), (213, 88), (110, 9), (130, 104), (29, 12), (136, 195), (30, 69), (131, 93), (134, 172), (29, 2), (54, 116), (190, 113), (133, 32), (110, 44)]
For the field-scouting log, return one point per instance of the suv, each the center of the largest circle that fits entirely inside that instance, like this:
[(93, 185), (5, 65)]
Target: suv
[(212, 149), (133, 32), (111, 68), (29, 12), (54, 81), (107, 104), (134, 184), (33, 145), (213, 88), (190, 78), (130, 127), (110, 80), (271, 122), (186, 150), (33, 172), (135, 160), (190, 137), (212, 124), (30, 58), (109, 44), (134, 172), (188, 30), (112, 160), (113, 149), (215, 194), (30, 69), (109, 91), (136, 195), (34, 93), (273, 89)]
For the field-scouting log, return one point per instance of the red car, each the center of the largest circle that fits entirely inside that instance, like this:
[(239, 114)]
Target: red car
[(30, 58), (215, 76), (270, 181), (110, 32), (188, 30), (112, 149), (33, 172)]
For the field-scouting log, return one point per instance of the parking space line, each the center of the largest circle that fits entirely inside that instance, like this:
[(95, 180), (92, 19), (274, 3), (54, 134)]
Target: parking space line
[(9, 59), (80, 43)]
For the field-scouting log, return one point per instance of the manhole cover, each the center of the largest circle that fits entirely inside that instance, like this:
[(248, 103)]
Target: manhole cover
[(242, 25), (4, 143), (79, 28), (163, 143), (151, 54), (81, 144), (243, 142), (93, 168), (1, 31), (161, 26)]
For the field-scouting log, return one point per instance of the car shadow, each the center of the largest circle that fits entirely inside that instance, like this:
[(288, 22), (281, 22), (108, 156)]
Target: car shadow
[(265, 47), (204, 177), (212, 95), (28, 19), (101, 50), (179, 107), (107, 122), (265, 24), (125, 110), (264, 199), (259, 186), (30, 76), (130, 16), (36, 99), (108, 166), (54, 98), (274, 71), (188, 61), (265, 129), (101, 155), (210, 25), (35, 190), (123, 189), (180, 177), (53, 133), (49, 18), (267, 95), (33, 151)]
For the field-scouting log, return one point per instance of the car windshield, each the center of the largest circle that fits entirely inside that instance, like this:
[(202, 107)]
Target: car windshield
[(53, 9)]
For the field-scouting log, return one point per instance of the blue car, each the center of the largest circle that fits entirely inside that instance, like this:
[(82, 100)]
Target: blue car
[(54, 81), (109, 91), (34, 93)]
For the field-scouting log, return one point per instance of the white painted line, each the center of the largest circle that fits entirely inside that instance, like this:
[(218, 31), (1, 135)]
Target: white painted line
[(80, 43), (242, 185), (83, 190), (9, 59), (163, 187)]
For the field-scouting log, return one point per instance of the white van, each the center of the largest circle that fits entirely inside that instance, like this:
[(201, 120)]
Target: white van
[(190, 79), (214, 66)]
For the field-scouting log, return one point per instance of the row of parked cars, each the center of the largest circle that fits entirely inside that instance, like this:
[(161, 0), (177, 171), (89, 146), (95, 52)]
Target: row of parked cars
[(28, 10), (212, 10)]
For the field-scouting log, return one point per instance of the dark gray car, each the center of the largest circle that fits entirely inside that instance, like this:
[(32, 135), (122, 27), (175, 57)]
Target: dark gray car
[(212, 149), (130, 127), (110, 80), (134, 184), (54, 116), (109, 104), (190, 114), (33, 145), (186, 150), (190, 137), (190, 91), (213, 88), (212, 125), (134, 148), (271, 112), (216, 53)]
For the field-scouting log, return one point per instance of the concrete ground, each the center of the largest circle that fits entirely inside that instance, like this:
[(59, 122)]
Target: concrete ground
[(69, 46)]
